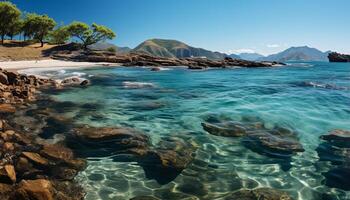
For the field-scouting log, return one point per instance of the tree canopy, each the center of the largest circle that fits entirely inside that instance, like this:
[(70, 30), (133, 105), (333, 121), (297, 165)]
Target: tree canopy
[(90, 35), (59, 36), (38, 26), (9, 16)]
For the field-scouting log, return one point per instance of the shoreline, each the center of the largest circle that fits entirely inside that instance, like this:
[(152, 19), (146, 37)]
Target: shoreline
[(20, 66)]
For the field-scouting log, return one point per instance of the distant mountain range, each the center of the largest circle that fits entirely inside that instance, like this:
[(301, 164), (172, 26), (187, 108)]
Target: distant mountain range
[(177, 49), (303, 53), (105, 46), (250, 56)]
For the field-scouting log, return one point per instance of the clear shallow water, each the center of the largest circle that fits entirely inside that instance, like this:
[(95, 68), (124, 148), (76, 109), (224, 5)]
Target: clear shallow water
[(311, 98)]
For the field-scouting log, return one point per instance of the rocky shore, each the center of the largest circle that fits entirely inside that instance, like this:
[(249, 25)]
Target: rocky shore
[(31, 168), (136, 59), (337, 57)]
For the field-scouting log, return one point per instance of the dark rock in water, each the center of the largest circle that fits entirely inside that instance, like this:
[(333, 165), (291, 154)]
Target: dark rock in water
[(336, 150), (337, 57), (166, 161), (258, 194), (276, 142), (280, 143), (155, 69), (339, 138), (228, 129), (338, 177), (108, 140)]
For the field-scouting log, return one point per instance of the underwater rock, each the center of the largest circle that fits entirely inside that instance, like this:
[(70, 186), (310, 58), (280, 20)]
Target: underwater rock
[(227, 129), (339, 138), (108, 140), (276, 142), (258, 194), (336, 150), (167, 160)]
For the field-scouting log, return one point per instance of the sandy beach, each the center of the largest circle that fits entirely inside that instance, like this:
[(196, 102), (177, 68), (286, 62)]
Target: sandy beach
[(49, 63)]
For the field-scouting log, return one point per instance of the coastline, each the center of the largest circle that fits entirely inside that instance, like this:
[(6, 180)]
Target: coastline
[(19, 66)]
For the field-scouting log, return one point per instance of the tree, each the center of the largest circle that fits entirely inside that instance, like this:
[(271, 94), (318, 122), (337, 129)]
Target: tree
[(38, 26), (15, 28), (90, 35), (9, 14), (60, 35)]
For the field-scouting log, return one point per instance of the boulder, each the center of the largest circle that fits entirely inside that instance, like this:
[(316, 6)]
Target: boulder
[(12, 77), (339, 138), (108, 140), (7, 174), (3, 79), (10, 170), (227, 129), (167, 160), (259, 194), (39, 189), (7, 109), (36, 158)]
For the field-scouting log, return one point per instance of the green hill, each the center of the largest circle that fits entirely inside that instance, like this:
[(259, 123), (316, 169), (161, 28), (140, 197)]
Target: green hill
[(175, 49)]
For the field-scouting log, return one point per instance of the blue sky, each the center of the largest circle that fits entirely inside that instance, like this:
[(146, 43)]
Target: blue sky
[(264, 26)]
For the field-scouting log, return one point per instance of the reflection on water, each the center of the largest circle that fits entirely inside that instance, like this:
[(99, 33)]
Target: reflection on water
[(174, 103)]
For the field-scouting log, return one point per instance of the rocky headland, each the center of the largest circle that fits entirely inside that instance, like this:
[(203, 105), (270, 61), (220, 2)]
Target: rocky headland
[(139, 59), (337, 57)]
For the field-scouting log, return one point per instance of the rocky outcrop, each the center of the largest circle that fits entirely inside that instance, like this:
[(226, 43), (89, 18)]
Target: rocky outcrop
[(136, 59), (337, 57), (29, 167), (32, 169), (336, 150), (17, 88)]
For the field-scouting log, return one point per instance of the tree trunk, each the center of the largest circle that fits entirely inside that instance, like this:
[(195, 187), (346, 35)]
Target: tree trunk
[(42, 43), (2, 39)]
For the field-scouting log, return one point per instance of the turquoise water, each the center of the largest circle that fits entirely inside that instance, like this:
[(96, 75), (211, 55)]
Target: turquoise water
[(310, 98)]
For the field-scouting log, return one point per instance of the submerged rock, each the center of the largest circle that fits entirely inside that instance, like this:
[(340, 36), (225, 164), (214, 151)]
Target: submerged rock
[(276, 142), (336, 150), (109, 140), (258, 194), (167, 160), (280, 143), (339, 138), (227, 129)]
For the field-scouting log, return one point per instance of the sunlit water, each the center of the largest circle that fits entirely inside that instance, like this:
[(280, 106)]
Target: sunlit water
[(311, 98)]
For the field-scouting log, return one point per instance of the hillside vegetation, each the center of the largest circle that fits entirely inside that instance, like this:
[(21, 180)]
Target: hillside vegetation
[(175, 49)]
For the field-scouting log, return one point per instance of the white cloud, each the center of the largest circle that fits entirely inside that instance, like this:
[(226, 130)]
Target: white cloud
[(238, 51), (273, 45)]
